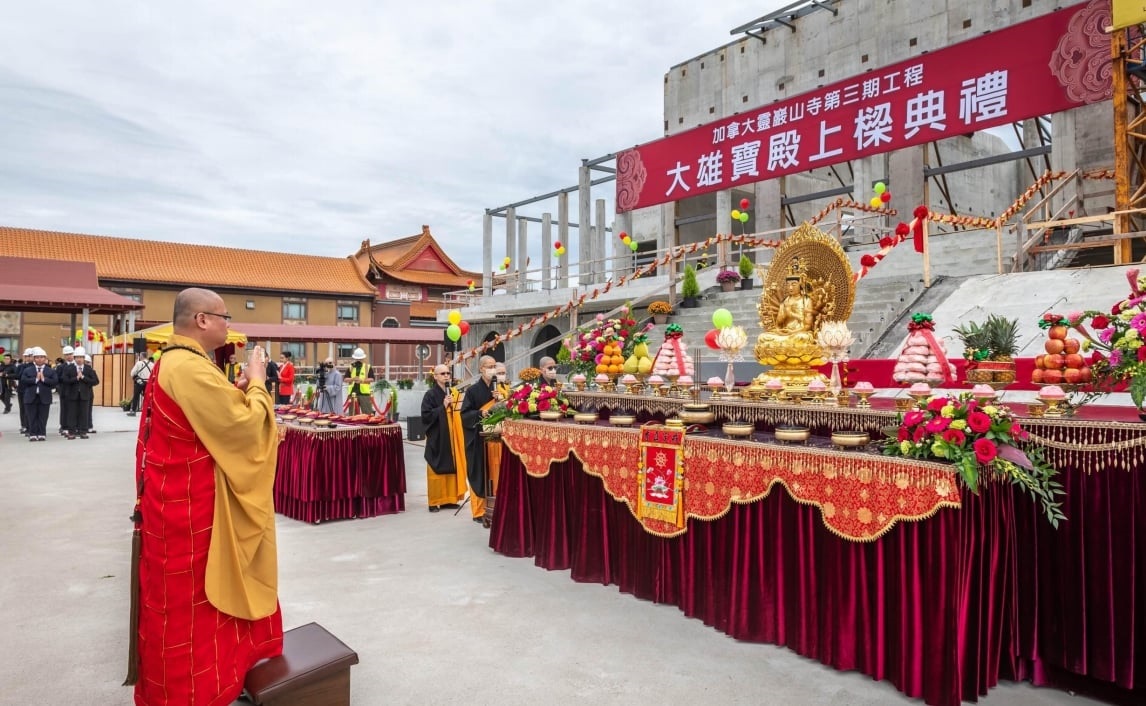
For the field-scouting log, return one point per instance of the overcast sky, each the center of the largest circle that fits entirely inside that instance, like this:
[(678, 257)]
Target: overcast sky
[(310, 126)]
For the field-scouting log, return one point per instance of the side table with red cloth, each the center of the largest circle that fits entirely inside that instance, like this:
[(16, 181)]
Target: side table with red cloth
[(333, 474)]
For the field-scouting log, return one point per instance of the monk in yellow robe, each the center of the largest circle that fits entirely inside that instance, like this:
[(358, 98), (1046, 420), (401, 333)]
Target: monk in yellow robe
[(207, 604)]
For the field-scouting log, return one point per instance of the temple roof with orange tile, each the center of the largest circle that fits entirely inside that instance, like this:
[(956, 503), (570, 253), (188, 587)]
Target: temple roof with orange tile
[(152, 261), (417, 259)]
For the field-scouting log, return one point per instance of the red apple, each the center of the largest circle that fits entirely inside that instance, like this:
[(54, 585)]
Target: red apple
[(1053, 361), (1052, 377), (1086, 375), (1072, 345), (1074, 360), (1037, 375), (1058, 332), (1072, 376), (1054, 345), (1039, 362)]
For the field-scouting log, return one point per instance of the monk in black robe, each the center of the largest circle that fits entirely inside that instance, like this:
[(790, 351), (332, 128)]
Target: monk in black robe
[(445, 443), (476, 404)]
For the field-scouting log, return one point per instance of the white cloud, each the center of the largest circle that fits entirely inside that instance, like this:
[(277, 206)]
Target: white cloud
[(308, 127)]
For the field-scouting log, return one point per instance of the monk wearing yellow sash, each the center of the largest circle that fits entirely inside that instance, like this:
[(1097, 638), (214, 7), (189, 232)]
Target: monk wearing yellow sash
[(445, 443), (476, 406)]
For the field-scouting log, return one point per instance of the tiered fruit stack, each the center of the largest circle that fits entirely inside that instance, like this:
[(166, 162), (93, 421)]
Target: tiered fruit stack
[(990, 348), (1062, 362), (611, 362), (639, 363)]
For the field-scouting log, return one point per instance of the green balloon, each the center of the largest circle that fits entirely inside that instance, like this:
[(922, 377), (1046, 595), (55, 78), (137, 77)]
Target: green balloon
[(722, 318), (880, 187), (633, 245), (453, 332), (743, 217)]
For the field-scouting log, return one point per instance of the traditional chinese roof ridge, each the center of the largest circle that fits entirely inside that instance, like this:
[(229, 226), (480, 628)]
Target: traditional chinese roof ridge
[(160, 262), (395, 257)]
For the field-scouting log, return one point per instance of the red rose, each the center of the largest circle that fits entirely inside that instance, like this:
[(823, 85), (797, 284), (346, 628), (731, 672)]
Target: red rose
[(622, 333), (985, 450), (912, 418), (903, 434), (954, 437), (523, 408), (1116, 309), (1141, 354), (867, 260), (917, 435), (1096, 358), (979, 422), (1018, 432), (1100, 321), (937, 404)]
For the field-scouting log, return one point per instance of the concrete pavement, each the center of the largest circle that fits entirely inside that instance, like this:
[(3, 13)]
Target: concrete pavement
[(435, 616)]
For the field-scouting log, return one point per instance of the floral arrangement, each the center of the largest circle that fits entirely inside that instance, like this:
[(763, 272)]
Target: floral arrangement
[(727, 276), (1117, 340), (526, 399), (529, 374), (660, 308), (980, 440), (587, 345)]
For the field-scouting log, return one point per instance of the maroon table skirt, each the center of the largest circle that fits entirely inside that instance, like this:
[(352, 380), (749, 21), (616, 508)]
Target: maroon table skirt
[(340, 474), (942, 608)]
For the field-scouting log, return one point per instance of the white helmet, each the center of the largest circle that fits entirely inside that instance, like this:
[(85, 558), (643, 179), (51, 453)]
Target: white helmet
[(27, 351), (358, 354), (68, 350), (80, 352), (39, 351)]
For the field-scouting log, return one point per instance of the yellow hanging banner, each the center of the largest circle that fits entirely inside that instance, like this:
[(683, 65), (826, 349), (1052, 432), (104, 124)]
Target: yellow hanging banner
[(1128, 12)]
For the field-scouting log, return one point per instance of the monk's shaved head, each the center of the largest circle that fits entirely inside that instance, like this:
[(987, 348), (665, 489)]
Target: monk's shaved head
[(190, 302)]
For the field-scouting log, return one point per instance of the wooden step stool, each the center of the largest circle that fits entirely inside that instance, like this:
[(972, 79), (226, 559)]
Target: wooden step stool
[(313, 670)]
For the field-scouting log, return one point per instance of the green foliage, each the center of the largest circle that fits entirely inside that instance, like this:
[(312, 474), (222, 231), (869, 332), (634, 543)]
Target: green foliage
[(746, 267), (562, 356), (689, 288), (1002, 336)]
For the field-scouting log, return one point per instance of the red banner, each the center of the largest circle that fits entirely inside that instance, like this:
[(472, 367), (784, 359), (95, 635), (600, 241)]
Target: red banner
[(1042, 66)]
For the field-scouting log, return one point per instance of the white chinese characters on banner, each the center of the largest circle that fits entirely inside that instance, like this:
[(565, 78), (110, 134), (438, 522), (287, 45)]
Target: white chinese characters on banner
[(981, 98)]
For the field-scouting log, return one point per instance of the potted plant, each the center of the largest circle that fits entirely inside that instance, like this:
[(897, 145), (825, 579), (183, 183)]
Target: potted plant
[(746, 270), (727, 280), (660, 311), (689, 288)]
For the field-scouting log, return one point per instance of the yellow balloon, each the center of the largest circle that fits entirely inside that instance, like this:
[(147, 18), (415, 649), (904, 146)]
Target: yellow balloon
[(875, 202), (735, 215), (454, 317)]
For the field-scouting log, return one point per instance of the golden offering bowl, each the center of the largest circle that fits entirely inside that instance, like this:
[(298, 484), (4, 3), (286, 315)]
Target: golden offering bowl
[(674, 423), (622, 420), (549, 415), (585, 417), (737, 429), (864, 398), (696, 414), (792, 434), (1054, 408), (844, 399), (850, 439), (1036, 409)]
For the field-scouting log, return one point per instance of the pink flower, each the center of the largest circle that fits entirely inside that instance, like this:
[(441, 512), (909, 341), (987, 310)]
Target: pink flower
[(903, 434), (954, 437), (918, 434), (1018, 432), (937, 424), (978, 422), (912, 418), (1139, 322), (1115, 357), (1075, 318), (985, 450)]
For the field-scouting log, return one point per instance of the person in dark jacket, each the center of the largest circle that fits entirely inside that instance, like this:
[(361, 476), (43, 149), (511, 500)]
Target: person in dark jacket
[(36, 384), (7, 381)]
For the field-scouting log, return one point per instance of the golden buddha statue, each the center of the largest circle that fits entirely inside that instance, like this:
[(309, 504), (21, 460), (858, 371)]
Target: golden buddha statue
[(808, 283)]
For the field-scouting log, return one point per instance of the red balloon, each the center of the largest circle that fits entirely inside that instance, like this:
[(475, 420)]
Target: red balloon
[(623, 235), (710, 339), (744, 204), (464, 326), (885, 196), (557, 245)]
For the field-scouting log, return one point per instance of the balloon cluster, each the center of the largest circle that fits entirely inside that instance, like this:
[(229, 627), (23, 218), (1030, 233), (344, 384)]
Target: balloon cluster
[(721, 318), (741, 214), (505, 263), (470, 284), (457, 327), (558, 248), (882, 195), (627, 240)]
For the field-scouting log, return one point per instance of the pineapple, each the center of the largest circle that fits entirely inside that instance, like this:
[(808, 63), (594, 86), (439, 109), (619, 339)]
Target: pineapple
[(1003, 340), (975, 339)]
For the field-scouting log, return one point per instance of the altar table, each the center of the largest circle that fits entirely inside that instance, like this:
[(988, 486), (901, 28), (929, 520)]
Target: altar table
[(941, 606), (339, 473)]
